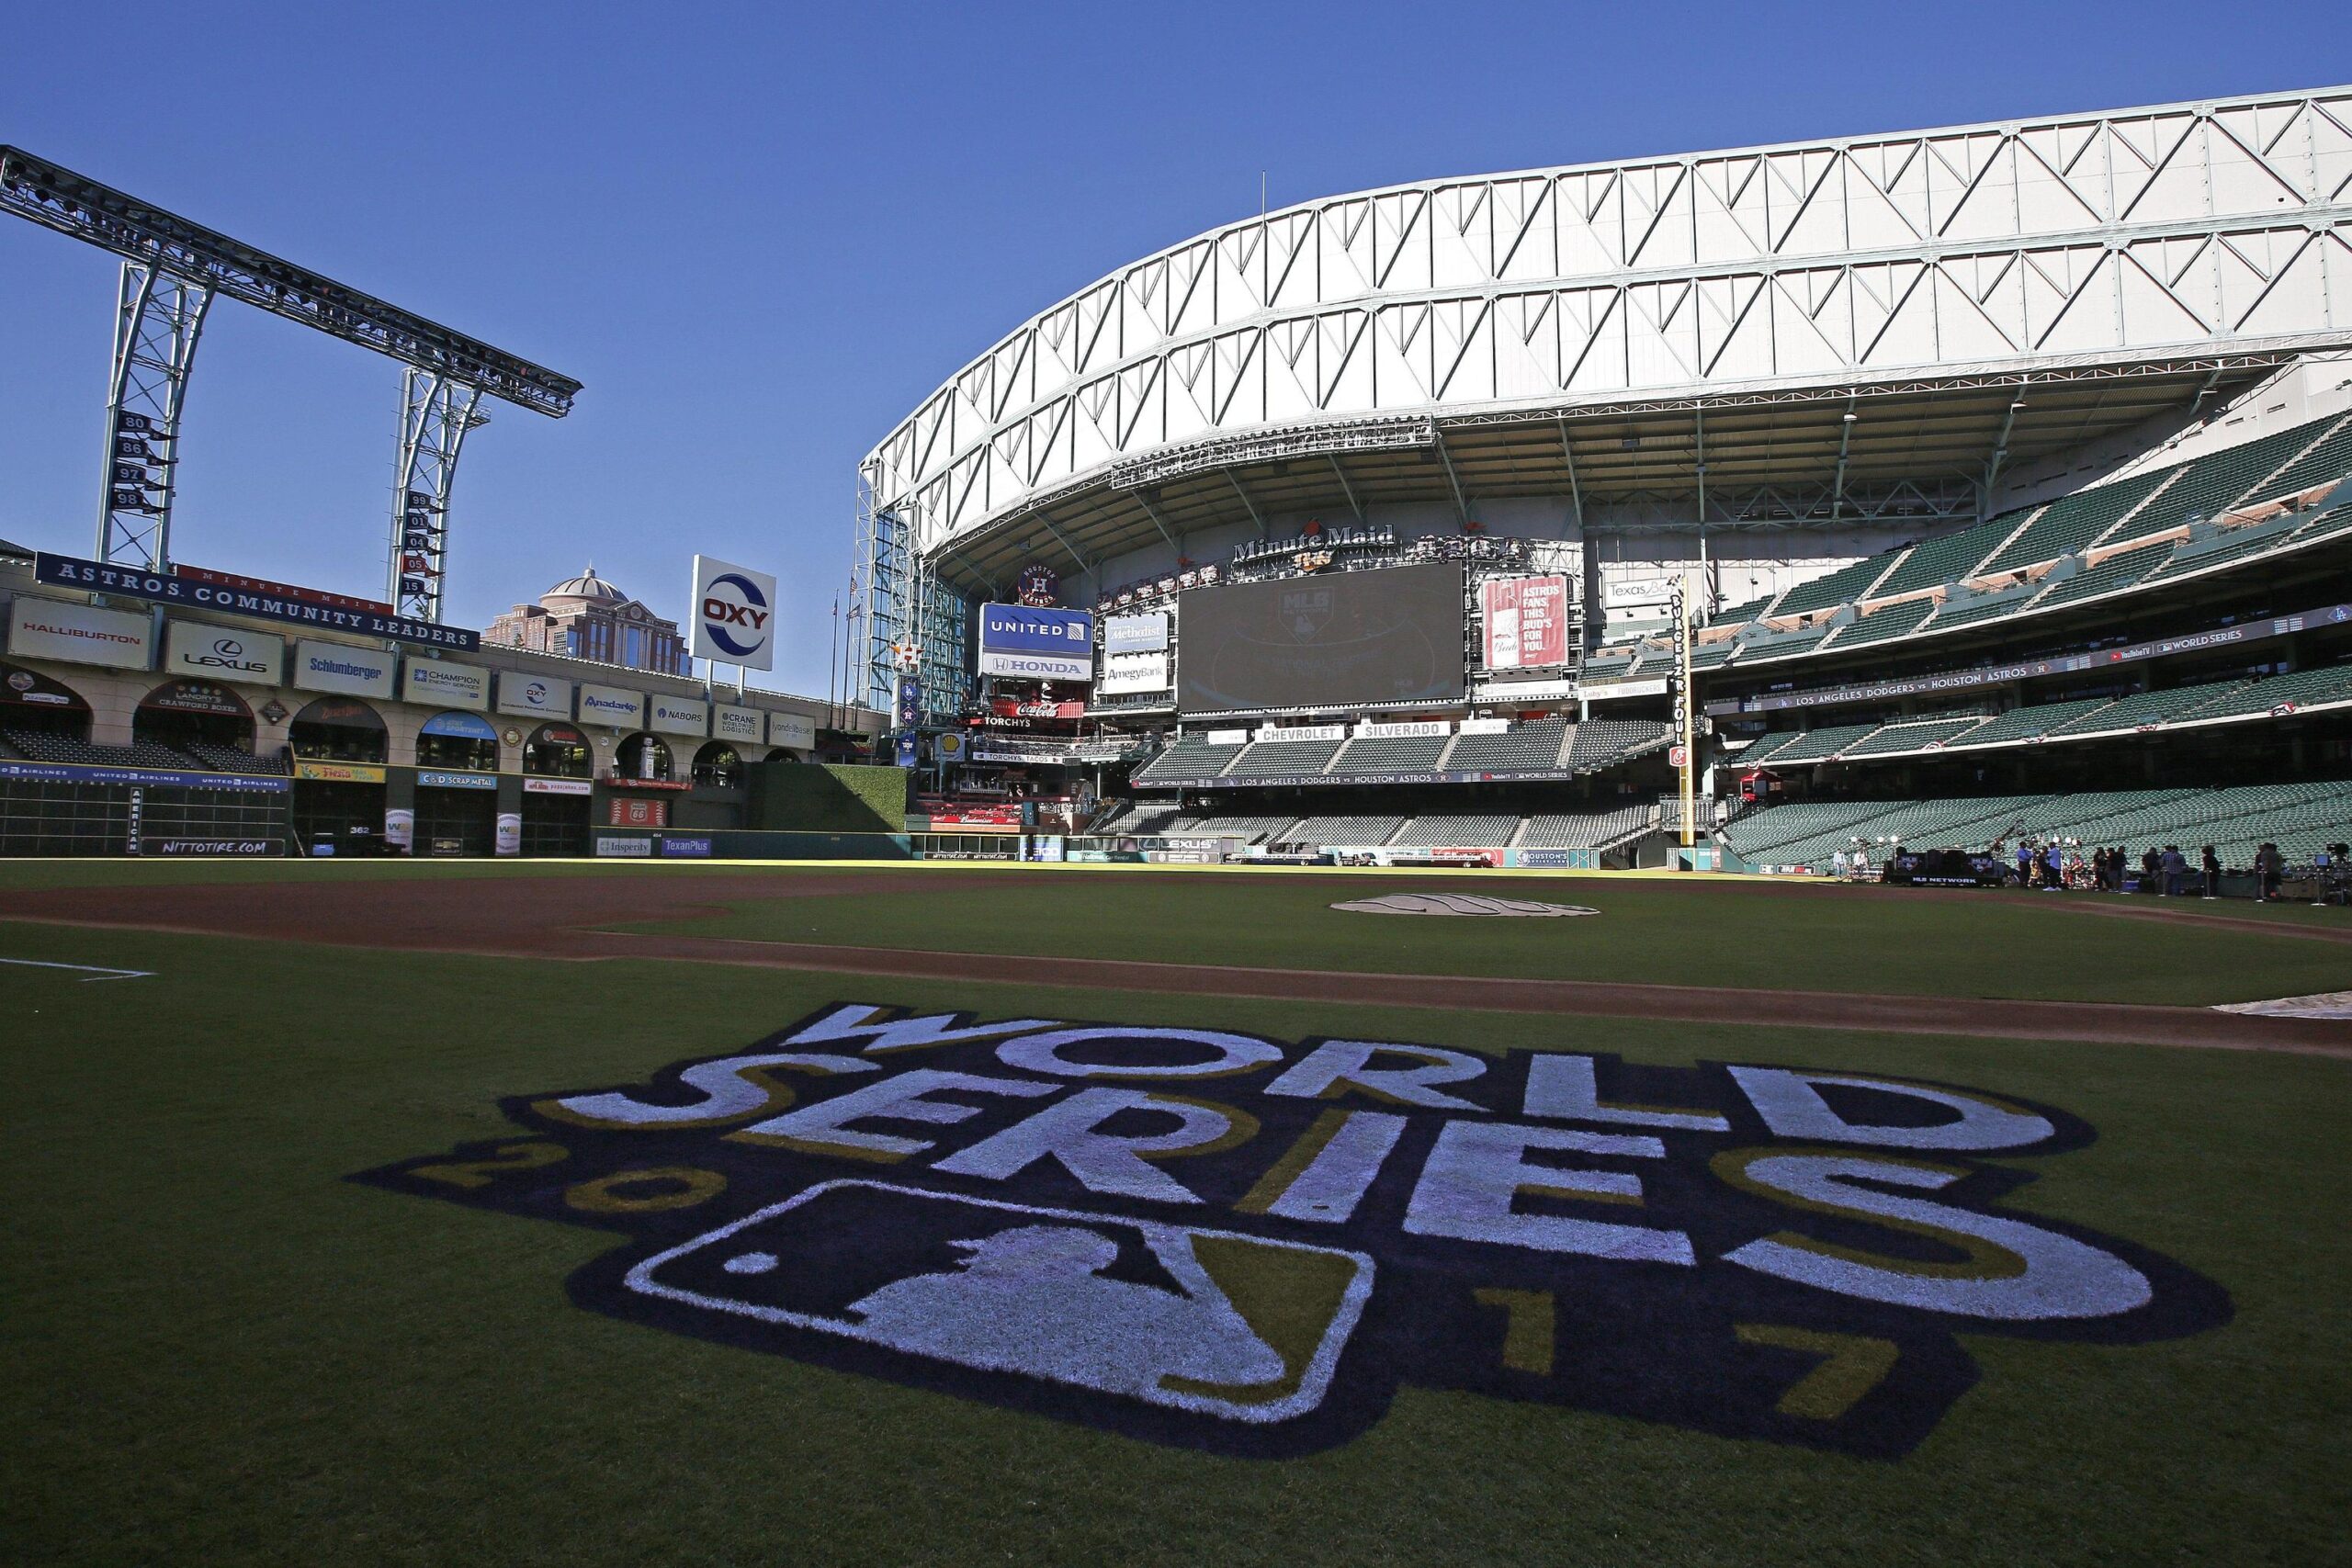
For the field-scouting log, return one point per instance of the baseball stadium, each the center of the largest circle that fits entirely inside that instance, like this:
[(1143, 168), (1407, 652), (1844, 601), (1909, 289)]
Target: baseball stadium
[(1511, 869)]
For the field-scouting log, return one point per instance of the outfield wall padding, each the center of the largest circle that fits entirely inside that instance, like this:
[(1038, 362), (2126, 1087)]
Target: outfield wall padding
[(826, 797)]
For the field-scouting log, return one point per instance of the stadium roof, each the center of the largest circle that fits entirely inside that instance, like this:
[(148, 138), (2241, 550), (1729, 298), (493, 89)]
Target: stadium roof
[(1632, 331)]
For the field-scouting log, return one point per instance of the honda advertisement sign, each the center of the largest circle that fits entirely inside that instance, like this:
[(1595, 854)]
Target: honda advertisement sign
[(1033, 644), (1527, 622), (734, 615)]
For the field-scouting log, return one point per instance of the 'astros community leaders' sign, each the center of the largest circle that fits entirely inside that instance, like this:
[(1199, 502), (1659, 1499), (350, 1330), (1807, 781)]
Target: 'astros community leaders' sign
[(1226, 1241), (164, 588)]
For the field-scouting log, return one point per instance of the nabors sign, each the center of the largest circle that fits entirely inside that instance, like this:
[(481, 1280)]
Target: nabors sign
[(1244, 1244)]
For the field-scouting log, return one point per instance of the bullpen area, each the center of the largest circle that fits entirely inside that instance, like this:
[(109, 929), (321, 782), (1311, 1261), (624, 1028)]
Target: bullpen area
[(402, 1212)]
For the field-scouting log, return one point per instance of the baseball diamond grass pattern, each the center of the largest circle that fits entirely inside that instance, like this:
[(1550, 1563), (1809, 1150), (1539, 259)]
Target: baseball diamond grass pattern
[(222, 1351), (1994, 944)]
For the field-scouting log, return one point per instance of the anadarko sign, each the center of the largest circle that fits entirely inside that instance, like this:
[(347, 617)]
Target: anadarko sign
[(1247, 1244)]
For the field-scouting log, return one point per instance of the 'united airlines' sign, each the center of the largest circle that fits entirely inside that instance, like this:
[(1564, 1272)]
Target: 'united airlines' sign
[(1033, 644)]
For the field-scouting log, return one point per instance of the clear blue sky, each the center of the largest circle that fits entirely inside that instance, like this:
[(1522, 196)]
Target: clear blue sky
[(759, 234)]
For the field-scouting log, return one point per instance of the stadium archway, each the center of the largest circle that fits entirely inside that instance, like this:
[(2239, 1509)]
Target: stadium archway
[(643, 756), (43, 710), (340, 746), (456, 786), (46, 720), (557, 768), (719, 766), (206, 723)]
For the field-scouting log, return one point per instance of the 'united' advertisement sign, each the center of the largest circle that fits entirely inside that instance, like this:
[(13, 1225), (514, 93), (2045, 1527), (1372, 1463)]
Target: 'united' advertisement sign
[(1034, 644), (1527, 622), (1248, 1244), (734, 615)]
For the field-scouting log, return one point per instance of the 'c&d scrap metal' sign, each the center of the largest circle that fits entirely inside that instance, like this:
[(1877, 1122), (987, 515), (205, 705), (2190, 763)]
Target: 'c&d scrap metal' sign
[(1229, 1242)]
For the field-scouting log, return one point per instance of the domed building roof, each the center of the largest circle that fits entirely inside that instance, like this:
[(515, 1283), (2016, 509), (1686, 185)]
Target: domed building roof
[(587, 587)]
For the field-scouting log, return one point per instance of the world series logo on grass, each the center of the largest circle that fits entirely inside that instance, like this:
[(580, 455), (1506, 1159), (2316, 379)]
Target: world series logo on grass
[(1231, 1242)]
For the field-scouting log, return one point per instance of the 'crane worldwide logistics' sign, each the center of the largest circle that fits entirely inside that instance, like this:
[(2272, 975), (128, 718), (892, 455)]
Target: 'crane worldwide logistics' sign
[(1244, 1244)]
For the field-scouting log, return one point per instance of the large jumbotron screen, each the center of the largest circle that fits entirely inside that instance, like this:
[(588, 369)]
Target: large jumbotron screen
[(1357, 636)]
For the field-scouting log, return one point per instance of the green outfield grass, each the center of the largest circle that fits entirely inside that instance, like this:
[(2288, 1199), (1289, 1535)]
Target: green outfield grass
[(218, 1350), (1672, 933)]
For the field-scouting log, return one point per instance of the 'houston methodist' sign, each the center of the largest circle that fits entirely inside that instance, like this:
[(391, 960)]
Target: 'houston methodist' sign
[(207, 593), (1034, 644)]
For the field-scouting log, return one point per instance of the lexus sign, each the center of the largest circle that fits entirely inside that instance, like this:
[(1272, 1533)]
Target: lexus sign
[(734, 615)]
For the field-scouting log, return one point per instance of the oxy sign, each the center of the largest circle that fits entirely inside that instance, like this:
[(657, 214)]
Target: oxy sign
[(1248, 1244), (734, 615)]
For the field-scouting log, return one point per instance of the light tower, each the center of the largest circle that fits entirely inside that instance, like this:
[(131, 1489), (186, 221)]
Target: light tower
[(172, 269)]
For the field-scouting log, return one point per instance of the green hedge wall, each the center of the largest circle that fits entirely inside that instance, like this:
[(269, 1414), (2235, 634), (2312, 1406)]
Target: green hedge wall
[(827, 797)]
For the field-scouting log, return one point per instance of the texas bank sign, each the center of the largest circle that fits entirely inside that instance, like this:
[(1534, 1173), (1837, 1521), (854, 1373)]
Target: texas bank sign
[(1245, 1244)]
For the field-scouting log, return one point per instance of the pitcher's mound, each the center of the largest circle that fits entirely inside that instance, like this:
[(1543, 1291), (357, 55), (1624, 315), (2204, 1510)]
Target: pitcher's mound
[(1460, 904)]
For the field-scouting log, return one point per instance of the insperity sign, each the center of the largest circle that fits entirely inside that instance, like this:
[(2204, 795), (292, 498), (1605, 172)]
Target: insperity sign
[(1245, 1244)]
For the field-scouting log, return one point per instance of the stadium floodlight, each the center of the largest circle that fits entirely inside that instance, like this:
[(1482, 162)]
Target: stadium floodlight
[(172, 268)]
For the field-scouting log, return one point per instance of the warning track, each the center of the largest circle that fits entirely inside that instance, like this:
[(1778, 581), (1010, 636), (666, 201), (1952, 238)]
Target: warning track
[(543, 918)]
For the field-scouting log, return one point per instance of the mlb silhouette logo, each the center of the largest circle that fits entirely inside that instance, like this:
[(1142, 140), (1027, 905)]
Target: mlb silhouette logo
[(1306, 611), (1239, 1327)]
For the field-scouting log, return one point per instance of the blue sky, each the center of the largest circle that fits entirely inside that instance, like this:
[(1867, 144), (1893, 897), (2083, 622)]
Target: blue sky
[(761, 234)]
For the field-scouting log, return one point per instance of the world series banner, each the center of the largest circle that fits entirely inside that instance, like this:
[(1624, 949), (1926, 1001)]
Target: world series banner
[(1245, 1244), (1526, 622)]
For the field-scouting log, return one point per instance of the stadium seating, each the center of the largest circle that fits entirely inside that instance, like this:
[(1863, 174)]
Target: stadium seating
[(2143, 707), (229, 758), (1916, 736), (1848, 583), (48, 745), (1530, 748), (1136, 817), (1938, 561), (1189, 758), (1586, 830), (1815, 745), (1277, 759), (1391, 754), (1896, 620), (2328, 684), (1602, 743), (2300, 818), (1361, 831), (2073, 523), (2028, 723), (2112, 575), (2283, 464), (1473, 832), (1256, 829)]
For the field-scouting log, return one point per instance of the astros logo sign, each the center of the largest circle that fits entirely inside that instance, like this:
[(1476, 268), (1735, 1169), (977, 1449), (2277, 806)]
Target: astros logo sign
[(1217, 1239)]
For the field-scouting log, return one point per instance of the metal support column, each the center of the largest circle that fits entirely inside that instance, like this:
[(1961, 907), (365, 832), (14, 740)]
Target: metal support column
[(435, 412), (158, 319)]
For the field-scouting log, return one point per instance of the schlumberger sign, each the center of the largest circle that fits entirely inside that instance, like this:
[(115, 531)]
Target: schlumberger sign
[(1229, 1242)]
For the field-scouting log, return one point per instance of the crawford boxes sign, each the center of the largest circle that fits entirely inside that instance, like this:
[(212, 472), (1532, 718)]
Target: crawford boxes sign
[(1248, 1244), (1035, 644)]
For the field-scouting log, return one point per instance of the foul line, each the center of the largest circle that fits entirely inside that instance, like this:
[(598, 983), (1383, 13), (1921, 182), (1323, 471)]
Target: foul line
[(95, 972)]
